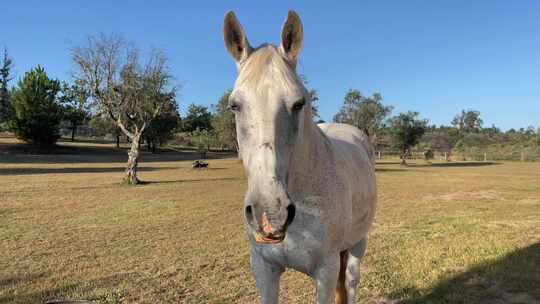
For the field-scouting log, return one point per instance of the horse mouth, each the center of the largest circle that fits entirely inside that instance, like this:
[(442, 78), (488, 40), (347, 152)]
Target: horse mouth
[(259, 238), (269, 238)]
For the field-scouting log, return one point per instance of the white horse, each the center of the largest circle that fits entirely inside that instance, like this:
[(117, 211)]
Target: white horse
[(311, 189)]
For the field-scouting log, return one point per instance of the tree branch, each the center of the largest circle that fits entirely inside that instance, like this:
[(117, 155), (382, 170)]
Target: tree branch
[(124, 129)]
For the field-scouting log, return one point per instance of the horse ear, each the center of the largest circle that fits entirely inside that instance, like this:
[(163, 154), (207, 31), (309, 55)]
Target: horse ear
[(292, 36), (235, 38)]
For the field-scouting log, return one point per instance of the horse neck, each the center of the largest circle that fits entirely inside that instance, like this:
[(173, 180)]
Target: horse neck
[(312, 158)]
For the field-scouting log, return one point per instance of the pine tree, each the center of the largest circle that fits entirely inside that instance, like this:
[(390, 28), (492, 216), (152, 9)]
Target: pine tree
[(36, 111), (5, 103)]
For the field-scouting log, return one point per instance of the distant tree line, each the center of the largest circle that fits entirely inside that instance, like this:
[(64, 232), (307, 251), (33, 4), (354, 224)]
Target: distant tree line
[(406, 131), (115, 93)]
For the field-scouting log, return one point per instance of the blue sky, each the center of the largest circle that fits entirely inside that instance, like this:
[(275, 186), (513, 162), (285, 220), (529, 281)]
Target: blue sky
[(435, 57)]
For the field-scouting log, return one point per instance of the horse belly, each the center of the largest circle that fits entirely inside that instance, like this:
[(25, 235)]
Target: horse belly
[(363, 212), (358, 175)]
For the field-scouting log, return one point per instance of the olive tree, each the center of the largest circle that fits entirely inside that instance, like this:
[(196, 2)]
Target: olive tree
[(131, 91)]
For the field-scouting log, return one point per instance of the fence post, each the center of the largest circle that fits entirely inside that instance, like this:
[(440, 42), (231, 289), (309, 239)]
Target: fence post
[(379, 154), (485, 157), (522, 155), (445, 156)]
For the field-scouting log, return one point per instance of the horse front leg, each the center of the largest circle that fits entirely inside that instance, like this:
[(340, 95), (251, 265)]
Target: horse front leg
[(326, 276), (352, 277), (267, 277)]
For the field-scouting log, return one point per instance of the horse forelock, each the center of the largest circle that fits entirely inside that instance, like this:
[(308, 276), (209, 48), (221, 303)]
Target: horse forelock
[(265, 67)]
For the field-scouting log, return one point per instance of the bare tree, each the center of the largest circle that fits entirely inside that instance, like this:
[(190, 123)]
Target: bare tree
[(130, 91)]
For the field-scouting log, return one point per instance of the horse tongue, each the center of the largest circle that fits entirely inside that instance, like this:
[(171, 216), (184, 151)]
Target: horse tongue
[(266, 226)]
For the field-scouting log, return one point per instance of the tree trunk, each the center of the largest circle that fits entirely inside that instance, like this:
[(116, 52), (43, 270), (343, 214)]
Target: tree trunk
[(403, 157), (118, 141), (133, 161), (73, 129)]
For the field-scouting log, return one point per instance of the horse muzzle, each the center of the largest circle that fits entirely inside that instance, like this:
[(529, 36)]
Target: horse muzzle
[(264, 231)]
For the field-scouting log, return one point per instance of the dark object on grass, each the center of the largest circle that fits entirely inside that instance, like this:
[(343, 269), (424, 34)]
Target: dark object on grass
[(199, 164)]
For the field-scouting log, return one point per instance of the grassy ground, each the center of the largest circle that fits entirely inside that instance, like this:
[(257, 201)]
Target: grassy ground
[(446, 233)]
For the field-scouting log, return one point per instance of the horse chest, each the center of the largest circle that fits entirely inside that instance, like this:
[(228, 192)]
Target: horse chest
[(314, 233)]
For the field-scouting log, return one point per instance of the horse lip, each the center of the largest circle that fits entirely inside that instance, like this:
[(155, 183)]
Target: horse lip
[(259, 238)]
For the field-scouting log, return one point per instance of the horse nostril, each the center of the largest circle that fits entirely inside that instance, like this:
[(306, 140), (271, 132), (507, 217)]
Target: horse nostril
[(291, 212), (249, 214)]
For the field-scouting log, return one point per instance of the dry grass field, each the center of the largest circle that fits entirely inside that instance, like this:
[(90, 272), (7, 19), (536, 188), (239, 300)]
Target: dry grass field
[(444, 233)]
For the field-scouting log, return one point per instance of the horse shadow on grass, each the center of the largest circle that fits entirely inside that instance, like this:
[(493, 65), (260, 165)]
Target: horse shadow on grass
[(512, 279), (451, 164)]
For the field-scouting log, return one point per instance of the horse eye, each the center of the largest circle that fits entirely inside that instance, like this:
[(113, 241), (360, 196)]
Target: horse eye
[(299, 105), (234, 106)]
